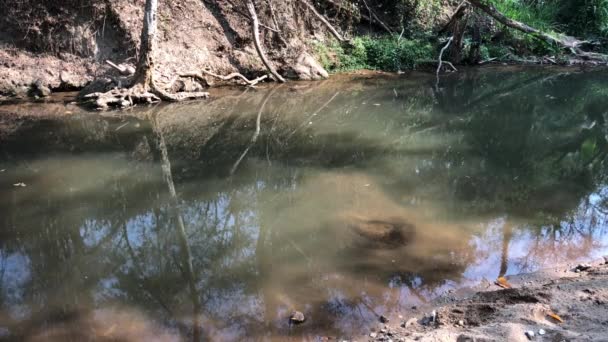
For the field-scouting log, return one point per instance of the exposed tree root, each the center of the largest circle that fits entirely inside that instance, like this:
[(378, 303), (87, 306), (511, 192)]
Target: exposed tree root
[(138, 94), (229, 77)]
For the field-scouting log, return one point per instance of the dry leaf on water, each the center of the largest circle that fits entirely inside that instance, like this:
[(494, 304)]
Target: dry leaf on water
[(555, 317), (502, 282)]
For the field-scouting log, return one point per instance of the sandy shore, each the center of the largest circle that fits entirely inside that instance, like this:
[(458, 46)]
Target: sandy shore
[(490, 313)]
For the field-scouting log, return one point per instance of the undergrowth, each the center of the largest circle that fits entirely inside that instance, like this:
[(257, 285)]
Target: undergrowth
[(374, 53)]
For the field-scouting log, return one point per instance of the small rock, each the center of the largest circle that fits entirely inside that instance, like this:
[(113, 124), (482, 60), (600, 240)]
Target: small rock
[(383, 319), (530, 334), (582, 267), (38, 89), (605, 259), (410, 322), (297, 317), (373, 335), (461, 323), (542, 332), (384, 331)]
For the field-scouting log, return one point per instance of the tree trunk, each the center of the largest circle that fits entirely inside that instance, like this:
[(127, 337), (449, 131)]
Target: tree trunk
[(145, 65), (258, 45)]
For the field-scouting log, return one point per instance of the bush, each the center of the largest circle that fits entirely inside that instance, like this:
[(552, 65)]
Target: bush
[(377, 53)]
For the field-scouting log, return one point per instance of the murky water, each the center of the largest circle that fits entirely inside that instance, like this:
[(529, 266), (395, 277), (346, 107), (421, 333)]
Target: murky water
[(358, 197)]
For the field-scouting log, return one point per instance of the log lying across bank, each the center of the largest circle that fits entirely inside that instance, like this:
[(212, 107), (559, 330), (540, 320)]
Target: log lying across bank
[(567, 42)]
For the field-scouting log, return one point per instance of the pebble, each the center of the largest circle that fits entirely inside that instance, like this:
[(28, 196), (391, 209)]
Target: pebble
[(373, 335), (530, 334), (297, 317), (461, 323), (542, 332), (383, 319), (582, 267)]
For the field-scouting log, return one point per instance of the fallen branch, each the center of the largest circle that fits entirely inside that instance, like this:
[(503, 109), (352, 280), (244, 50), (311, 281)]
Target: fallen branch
[(329, 26), (257, 43), (564, 41)]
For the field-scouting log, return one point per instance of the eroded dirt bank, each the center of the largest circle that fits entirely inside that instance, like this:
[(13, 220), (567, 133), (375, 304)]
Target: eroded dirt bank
[(64, 45), (577, 295)]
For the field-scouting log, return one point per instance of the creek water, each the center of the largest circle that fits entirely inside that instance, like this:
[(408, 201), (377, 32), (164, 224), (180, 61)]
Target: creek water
[(360, 196)]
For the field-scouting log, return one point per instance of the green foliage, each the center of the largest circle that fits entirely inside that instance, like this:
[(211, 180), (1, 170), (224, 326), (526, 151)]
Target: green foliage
[(376, 53), (589, 17)]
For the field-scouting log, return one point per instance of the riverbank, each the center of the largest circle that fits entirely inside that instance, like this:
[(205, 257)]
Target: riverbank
[(565, 303)]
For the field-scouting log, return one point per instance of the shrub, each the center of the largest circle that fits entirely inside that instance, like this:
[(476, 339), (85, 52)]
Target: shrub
[(377, 53)]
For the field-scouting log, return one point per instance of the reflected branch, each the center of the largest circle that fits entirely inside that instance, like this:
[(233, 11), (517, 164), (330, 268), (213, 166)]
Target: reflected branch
[(256, 134)]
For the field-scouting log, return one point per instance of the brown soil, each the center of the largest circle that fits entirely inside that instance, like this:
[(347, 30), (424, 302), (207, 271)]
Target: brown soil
[(489, 313), (65, 44)]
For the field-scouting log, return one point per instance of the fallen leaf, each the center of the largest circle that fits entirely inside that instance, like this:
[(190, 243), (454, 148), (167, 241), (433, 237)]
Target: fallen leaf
[(502, 282), (555, 317)]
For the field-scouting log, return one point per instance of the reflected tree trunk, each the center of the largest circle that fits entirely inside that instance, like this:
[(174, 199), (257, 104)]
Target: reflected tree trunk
[(186, 254), (507, 235)]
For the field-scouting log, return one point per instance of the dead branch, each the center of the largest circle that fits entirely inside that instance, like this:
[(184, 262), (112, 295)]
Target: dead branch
[(447, 45), (258, 44), (329, 26)]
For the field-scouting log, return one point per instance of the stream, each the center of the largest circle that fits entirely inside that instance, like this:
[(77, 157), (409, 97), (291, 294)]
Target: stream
[(360, 196)]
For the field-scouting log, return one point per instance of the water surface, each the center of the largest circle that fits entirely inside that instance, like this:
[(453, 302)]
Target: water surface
[(495, 172)]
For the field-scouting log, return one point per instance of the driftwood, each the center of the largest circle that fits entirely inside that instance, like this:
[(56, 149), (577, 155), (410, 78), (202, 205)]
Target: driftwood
[(329, 26), (567, 42), (258, 44)]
